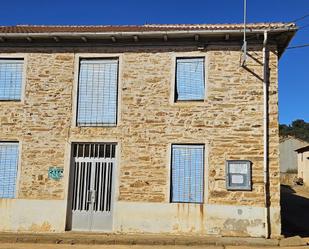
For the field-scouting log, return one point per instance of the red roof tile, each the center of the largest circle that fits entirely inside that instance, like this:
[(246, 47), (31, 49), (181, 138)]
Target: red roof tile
[(139, 28)]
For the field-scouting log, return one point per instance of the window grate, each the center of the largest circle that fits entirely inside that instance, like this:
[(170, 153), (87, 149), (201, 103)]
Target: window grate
[(8, 169), (187, 173), (190, 79), (11, 71), (97, 92)]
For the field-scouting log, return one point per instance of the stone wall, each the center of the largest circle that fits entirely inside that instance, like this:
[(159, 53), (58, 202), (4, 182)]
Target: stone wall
[(229, 122)]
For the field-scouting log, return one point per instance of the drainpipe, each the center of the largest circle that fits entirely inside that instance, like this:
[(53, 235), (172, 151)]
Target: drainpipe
[(266, 171)]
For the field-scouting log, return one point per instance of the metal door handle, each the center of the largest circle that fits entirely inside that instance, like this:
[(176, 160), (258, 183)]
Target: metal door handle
[(91, 196)]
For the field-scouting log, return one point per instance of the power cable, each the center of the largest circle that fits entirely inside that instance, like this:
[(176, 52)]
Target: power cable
[(304, 26), (301, 18), (299, 46)]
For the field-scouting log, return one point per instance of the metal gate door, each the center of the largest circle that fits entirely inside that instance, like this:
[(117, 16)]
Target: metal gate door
[(93, 167)]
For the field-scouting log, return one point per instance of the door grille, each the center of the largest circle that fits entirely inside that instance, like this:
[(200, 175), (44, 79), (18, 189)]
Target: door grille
[(92, 176), (94, 150)]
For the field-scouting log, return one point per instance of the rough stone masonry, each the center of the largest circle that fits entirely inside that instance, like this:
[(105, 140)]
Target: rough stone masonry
[(229, 122)]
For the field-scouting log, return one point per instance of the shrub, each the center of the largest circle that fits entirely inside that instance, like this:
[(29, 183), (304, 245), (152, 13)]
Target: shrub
[(291, 171)]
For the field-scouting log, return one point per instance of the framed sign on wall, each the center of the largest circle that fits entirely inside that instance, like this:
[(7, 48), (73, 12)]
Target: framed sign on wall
[(238, 175)]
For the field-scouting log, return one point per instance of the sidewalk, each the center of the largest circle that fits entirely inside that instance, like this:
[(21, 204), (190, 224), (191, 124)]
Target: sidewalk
[(132, 239), (73, 238), (66, 246)]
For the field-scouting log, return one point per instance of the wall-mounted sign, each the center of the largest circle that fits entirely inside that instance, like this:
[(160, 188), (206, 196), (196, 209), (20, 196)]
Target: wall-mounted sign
[(238, 175), (55, 173)]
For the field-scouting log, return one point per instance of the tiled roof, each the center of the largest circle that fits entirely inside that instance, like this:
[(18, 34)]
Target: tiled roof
[(140, 28)]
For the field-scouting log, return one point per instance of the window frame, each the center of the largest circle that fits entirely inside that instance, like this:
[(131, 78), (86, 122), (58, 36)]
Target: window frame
[(175, 100), (23, 57), (78, 59), (171, 173), (18, 167)]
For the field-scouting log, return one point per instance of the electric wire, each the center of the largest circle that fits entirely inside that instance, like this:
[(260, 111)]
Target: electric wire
[(300, 28), (301, 18), (304, 26), (299, 46)]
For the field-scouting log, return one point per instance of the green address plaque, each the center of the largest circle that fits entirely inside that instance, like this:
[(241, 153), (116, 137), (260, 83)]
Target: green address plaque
[(55, 173)]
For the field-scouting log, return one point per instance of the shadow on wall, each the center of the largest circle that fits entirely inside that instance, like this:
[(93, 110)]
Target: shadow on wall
[(294, 213)]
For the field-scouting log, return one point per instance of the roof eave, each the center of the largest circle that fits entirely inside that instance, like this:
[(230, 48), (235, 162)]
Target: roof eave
[(286, 33), (302, 149), (177, 33), (283, 45)]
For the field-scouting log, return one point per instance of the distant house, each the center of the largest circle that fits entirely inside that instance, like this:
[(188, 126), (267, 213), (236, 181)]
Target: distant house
[(303, 163), (288, 154)]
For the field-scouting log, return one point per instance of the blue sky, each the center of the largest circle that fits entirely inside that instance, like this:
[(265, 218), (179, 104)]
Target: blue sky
[(293, 66)]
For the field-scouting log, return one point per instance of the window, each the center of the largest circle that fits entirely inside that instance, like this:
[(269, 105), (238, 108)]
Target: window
[(190, 79), (11, 72), (97, 92), (8, 169), (187, 173)]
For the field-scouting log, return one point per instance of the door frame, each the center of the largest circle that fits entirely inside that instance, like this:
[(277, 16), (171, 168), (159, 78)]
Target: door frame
[(69, 183)]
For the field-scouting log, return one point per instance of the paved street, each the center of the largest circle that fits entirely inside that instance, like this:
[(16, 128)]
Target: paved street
[(295, 210)]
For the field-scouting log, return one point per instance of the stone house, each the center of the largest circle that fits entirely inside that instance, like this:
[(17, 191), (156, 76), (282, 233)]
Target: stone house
[(141, 129), (303, 164)]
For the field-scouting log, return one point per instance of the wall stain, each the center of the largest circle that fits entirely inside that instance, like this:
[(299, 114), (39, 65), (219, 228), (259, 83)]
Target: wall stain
[(44, 227), (202, 211), (240, 227)]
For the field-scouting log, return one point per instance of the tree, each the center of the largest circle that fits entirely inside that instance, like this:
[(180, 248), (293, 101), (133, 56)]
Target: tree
[(299, 129)]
